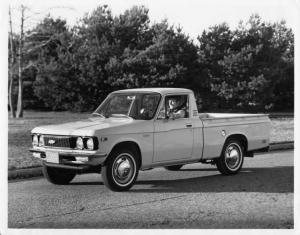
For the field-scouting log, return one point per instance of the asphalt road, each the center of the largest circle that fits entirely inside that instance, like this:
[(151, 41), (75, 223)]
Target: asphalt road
[(260, 196)]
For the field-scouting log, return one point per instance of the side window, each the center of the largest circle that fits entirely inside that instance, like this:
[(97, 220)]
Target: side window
[(175, 107)]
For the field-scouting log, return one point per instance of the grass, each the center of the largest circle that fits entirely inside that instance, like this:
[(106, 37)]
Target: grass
[(282, 129), (19, 139)]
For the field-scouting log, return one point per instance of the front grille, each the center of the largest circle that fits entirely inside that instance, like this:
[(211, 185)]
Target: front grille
[(60, 141)]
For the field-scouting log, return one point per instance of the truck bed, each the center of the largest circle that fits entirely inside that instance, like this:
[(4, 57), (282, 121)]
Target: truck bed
[(217, 127)]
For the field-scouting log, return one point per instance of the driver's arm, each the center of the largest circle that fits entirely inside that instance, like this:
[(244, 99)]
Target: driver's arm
[(180, 114), (177, 114)]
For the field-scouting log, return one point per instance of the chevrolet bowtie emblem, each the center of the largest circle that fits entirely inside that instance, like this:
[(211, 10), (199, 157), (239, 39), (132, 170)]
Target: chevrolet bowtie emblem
[(51, 141)]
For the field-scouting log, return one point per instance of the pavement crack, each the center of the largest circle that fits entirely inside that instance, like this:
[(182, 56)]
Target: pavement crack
[(139, 203), (84, 210)]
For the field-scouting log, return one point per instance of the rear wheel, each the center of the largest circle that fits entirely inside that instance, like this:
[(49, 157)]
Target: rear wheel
[(174, 167), (121, 170), (58, 176), (232, 158)]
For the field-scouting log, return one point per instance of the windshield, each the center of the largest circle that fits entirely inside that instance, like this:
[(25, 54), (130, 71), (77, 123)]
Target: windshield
[(140, 106)]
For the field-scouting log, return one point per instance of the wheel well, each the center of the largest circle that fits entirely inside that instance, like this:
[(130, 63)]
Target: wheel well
[(240, 138), (129, 145)]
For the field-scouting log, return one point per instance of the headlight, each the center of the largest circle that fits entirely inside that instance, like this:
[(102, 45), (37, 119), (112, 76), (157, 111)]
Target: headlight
[(90, 144), (79, 143), (41, 141), (35, 140)]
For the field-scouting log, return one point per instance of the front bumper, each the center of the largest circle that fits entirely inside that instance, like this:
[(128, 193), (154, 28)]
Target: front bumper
[(68, 158)]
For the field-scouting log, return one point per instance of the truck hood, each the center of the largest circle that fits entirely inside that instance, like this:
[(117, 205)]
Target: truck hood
[(85, 127)]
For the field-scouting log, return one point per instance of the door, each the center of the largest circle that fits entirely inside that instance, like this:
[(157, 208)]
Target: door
[(173, 131)]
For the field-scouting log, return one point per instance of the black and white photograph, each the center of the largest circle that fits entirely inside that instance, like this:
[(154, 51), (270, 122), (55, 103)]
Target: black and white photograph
[(142, 115)]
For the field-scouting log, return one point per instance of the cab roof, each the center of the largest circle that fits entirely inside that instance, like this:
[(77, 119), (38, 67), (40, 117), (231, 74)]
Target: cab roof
[(161, 90)]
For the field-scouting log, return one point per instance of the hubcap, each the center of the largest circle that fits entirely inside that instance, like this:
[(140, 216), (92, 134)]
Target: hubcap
[(124, 169), (233, 155)]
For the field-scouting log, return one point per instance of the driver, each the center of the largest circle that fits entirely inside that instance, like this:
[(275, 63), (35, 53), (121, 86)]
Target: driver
[(175, 110)]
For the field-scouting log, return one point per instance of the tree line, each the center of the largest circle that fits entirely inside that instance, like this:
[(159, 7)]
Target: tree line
[(247, 69)]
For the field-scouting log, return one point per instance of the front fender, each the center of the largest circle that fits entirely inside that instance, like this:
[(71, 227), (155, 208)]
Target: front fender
[(144, 141)]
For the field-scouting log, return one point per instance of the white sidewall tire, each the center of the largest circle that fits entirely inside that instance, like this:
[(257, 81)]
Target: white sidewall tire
[(240, 157), (221, 161), (109, 179), (134, 169)]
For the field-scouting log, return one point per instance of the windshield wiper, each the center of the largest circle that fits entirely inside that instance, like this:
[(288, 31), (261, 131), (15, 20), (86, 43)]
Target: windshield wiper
[(98, 114)]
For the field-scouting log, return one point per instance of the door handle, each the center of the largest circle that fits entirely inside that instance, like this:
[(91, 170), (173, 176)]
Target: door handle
[(188, 125)]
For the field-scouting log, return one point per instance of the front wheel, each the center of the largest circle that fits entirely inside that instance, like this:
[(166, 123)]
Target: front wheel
[(58, 176), (121, 170), (232, 158)]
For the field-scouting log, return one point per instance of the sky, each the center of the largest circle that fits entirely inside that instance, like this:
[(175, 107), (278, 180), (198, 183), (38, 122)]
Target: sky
[(192, 15)]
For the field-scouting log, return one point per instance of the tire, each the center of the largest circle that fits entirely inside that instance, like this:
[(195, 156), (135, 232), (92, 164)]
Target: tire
[(121, 170), (173, 168), (231, 160), (58, 176)]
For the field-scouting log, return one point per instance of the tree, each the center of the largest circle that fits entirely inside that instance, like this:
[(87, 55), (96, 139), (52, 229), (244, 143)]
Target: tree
[(50, 52), (242, 69), (10, 68), (97, 39), (16, 55), (214, 44), (246, 65), (19, 112), (32, 47), (171, 60), (41, 46)]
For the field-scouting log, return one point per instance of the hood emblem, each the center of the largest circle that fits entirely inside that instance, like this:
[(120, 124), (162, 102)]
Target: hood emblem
[(51, 141)]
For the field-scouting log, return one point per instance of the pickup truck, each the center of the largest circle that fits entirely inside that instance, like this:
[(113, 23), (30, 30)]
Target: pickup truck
[(140, 129)]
